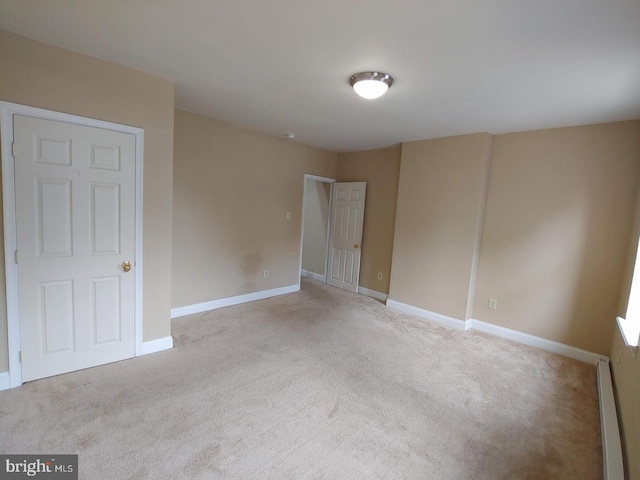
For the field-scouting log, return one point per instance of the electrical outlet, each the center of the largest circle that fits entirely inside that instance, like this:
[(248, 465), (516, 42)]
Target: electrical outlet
[(288, 215), (493, 303), (379, 275), (265, 274)]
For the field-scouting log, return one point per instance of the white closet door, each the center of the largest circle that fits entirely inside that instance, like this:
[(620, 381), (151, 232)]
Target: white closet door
[(75, 205)]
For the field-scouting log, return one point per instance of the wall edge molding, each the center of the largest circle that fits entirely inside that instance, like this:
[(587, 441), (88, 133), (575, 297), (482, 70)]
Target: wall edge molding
[(157, 345), (502, 332), (373, 293), (5, 383), (229, 301), (538, 342), (434, 317), (313, 276)]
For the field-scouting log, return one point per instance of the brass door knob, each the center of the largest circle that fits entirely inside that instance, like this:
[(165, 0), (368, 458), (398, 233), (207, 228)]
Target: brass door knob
[(126, 266), (357, 245)]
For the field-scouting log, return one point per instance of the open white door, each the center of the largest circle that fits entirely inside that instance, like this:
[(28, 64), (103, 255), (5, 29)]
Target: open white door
[(345, 237), (75, 232)]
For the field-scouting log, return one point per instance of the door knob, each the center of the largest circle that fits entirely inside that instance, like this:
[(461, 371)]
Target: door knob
[(357, 245), (126, 266)]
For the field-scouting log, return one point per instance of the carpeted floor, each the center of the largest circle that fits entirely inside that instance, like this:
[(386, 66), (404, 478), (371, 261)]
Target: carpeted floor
[(320, 384)]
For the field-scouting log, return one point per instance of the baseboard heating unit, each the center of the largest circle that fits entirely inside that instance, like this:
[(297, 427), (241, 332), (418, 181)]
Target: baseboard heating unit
[(611, 446)]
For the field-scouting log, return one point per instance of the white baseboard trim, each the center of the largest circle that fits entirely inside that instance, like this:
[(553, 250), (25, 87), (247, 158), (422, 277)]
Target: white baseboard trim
[(538, 342), (613, 466), (314, 276), (498, 331), (373, 293), (431, 316), (152, 346), (5, 384), (157, 345), (227, 302)]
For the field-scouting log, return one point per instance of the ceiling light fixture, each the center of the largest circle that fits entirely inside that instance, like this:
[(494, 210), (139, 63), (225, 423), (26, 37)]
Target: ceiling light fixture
[(371, 85)]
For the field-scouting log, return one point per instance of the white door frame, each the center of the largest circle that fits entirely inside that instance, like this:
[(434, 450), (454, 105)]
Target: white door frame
[(330, 181), (7, 110)]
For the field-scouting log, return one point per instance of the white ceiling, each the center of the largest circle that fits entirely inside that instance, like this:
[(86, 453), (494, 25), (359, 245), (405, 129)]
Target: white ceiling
[(460, 66)]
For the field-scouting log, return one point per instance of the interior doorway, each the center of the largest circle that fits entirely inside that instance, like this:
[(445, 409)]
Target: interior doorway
[(332, 228), (316, 212)]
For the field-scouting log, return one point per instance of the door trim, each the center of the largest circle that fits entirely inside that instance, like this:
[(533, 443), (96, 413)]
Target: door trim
[(7, 110), (317, 178)]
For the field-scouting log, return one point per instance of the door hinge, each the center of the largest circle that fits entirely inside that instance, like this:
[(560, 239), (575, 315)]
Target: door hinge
[(20, 356), (13, 149), (16, 256)]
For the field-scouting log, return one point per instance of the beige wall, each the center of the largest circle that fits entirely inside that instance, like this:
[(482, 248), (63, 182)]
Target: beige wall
[(440, 198), (380, 169), (626, 379), (557, 226), (316, 218), (555, 231), (55, 79), (232, 189), (626, 371)]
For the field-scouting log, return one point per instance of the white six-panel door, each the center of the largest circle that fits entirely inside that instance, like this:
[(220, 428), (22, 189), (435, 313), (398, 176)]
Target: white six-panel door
[(75, 220), (345, 237)]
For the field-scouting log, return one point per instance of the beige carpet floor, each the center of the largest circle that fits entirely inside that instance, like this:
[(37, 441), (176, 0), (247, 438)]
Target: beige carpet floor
[(320, 384)]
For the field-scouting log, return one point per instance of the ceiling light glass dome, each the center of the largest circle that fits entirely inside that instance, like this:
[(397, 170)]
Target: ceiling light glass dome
[(371, 85)]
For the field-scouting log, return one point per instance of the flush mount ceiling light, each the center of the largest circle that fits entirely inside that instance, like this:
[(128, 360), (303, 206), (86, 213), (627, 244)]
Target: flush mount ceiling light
[(371, 85)]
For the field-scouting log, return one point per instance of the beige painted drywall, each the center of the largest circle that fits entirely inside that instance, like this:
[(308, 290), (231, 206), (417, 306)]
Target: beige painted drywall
[(232, 189), (440, 198), (626, 370), (626, 380), (380, 169), (55, 79), (557, 225), (316, 216)]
